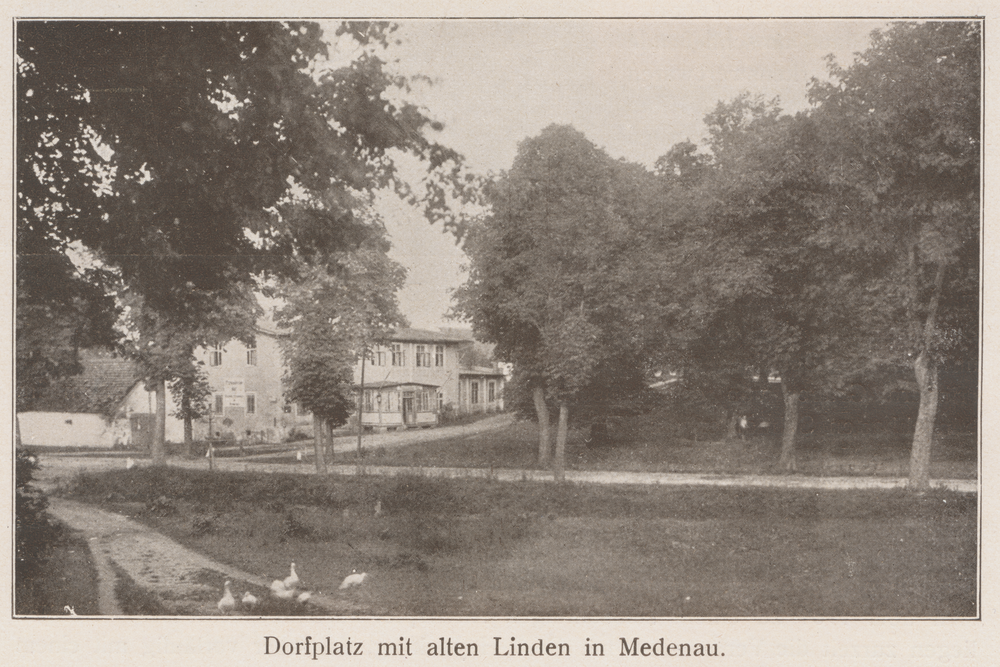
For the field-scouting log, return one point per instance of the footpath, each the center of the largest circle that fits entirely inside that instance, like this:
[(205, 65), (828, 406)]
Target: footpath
[(172, 571)]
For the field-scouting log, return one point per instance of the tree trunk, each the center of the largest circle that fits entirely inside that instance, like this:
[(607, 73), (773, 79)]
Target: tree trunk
[(158, 448), (926, 371), (319, 443), (542, 410), (559, 460), (787, 460), (328, 443), (188, 426)]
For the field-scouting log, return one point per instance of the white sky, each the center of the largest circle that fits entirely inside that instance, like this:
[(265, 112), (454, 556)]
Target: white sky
[(635, 87)]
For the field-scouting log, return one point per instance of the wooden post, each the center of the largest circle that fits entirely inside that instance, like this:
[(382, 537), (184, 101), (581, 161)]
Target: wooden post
[(361, 400)]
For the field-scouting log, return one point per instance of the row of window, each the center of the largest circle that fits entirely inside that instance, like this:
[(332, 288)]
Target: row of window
[(396, 355), (491, 391), (218, 406), (251, 404), (392, 401), (215, 355)]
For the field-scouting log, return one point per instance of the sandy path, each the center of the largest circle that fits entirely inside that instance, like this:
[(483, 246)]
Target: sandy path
[(155, 562)]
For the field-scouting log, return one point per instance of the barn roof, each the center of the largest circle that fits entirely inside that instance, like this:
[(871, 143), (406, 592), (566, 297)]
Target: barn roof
[(105, 381)]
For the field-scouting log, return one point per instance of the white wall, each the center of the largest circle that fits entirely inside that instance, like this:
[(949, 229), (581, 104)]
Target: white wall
[(141, 401), (70, 429)]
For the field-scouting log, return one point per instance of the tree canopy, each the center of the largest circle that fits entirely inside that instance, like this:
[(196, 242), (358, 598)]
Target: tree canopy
[(333, 310), (176, 155), (901, 131), (557, 272)]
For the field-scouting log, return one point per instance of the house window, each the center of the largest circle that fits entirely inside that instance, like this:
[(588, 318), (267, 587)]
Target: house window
[(439, 355), (252, 354), (423, 356), (492, 392), (474, 391), (218, 404), (380, 358), (251, 404), (440, 400), (215, 355), (398, 355), (369, 403)]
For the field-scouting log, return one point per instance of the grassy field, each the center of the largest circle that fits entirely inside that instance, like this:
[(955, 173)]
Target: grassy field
[(644, 449), (67, 577), (481, 548)]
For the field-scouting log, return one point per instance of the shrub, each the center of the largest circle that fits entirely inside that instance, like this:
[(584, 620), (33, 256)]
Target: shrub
[(35, 532)]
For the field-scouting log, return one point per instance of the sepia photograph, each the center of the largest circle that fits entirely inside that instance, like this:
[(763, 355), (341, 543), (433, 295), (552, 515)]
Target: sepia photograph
[(497, 319)]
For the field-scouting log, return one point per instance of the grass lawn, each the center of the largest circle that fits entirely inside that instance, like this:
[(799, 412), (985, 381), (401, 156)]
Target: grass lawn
[(481, 548), (67, 577), (650, 446)]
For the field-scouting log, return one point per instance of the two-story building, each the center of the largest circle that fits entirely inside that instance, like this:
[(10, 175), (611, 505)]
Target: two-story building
[(247, 399), (409, 381)]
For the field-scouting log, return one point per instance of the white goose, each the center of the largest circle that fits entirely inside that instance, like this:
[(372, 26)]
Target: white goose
[(353, 579), (279, 590), (304, 596), (249, 599), (69, 610), (228, 602), (292, 580)]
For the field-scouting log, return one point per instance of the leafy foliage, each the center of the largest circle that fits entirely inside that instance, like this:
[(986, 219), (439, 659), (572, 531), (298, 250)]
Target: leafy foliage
[(334, 309), (173, 155), (176, 155), (901, 131), (35, 532), (559, 275)]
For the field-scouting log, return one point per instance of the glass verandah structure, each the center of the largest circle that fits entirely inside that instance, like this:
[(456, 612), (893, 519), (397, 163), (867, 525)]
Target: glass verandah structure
[(392, 405)]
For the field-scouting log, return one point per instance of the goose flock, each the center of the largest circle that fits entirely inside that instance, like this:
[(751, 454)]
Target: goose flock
[(288, 588)]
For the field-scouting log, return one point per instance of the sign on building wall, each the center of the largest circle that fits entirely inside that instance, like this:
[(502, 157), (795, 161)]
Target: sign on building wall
[(235, 394)]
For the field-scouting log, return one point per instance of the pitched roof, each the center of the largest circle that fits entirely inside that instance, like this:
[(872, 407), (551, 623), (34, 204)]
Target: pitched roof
[(105, 381), (428, 336)]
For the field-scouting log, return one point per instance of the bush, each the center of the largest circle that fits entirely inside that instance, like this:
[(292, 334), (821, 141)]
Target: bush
[(35, 531), (296, 435)]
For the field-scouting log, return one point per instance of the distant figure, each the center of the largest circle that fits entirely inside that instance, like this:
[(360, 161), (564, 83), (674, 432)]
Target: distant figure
[(741, 427)]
